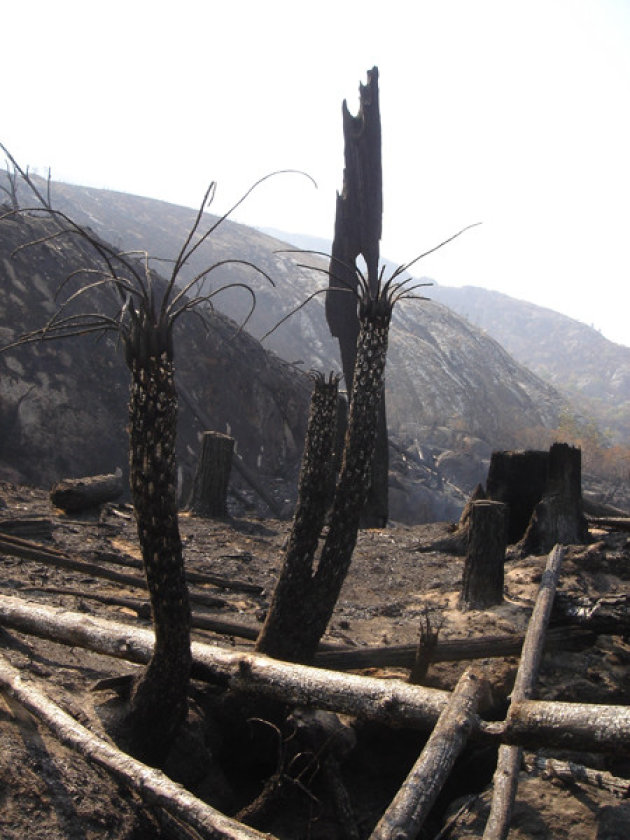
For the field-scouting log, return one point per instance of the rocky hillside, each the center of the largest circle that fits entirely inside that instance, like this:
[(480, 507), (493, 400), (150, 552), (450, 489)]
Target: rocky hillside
[(453, 393), (575, 358), (63, 408), (442, 371)]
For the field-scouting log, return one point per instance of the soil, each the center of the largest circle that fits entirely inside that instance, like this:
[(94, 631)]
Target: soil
[(233, 744)]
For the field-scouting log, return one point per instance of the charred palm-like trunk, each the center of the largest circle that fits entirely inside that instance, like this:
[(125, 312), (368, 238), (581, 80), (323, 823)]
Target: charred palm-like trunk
[(283, 624), (355, 476), (303, 619), (159, 699)]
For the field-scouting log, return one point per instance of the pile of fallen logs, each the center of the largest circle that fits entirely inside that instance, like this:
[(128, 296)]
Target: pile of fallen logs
[(453, 718)]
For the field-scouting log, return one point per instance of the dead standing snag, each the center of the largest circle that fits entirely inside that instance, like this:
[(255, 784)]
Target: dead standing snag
[(143, 312)]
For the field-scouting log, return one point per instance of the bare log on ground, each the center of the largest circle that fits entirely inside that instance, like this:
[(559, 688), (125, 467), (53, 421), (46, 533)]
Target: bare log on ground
[(449, 650), (191, 576), (410, 807), (617, 523), (392, 702), (572, 726), (152, 785), (570, 772), (482, 584), (27, 527), (41, 554), (510, 757), (77, 494), (210, 485)]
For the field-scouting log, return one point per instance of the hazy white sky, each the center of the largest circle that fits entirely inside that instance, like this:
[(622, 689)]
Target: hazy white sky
[(515, 113)]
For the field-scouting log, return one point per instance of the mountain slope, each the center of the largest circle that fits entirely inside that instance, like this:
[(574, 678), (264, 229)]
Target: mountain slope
[(593, 371), (441, 371)]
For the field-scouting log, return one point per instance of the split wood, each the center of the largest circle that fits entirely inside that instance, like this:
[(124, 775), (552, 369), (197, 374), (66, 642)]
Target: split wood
[(533, 723), (407, 812), (152, 785), (510, 757)]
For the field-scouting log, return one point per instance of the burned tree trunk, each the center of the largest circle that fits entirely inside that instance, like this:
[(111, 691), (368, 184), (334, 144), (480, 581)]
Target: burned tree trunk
[(517, 478), (358, 225), (282, 629), (76, 494), (159, 700), (321, 588), (210, 486), (483, 570), (558, 517)]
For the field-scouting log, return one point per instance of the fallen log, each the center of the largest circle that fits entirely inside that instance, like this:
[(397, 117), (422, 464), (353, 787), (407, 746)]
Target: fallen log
[(29, 526), (76, 494), (40, 554), (510, 757), (407, 812), (392, 702), (153, 786), (450, 650), (570, 772), (617, 523), (191, 576)]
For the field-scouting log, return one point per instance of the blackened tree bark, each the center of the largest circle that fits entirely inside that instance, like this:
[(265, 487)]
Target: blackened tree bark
[(358, 227), (210, 486), (319, 590), (159, 699), (558, 517), (482, 584), (283, 624), (517, 478)]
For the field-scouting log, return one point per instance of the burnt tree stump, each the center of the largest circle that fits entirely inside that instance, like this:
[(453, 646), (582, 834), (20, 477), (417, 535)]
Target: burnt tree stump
[(558, 518), (482, 584), (76, 494), (209, 492), (519, 479)]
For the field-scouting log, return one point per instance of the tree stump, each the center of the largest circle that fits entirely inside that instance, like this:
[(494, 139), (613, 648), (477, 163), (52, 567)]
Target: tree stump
[(558, 517), (76, 494), (483, 570), (209, 491), (517, 478)]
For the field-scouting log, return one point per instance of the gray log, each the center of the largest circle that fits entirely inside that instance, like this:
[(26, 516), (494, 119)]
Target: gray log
[(77, 494), (392, 702), (510, 757), (411, 806), (151, 784)]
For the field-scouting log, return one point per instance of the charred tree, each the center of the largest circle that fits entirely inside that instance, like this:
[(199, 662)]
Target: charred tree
[(321, 586), (210, 486), (159, 701), (558, 517), (483, 569), (144, 310), (283, 624), (517, 478), (358, 226)]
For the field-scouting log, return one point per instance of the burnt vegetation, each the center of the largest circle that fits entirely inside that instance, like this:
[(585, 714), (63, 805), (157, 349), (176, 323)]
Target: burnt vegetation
[(267, 735)]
